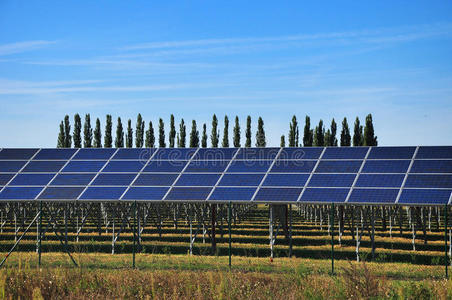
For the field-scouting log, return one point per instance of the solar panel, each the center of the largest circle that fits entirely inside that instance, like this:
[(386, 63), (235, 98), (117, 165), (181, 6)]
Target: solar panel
[(19, 153), (11, 165), (213, 166), (19, 193), (83, 166), (331, 180), (32, 179), (241, 179), (391, 153), (124, 166), (5, 178), (61, 193), (142, 154), (345, 152), (424, 196), (293, 166), (114, 179), (72, 179), (198, 179), (429, 181), (257, 153), (266, 194), (158, 179), (432, 166), (95, 153), (339, 166), (275, 179), (232, 194), (215, 153), (44, 166), (249, 166), (373, 196), (301, 153), (188, 193), (324, 195), (165, 166), (145, 193), (380, 180), (174, 153), (386, 166), (434, 152), (102, 193), (49, 154)]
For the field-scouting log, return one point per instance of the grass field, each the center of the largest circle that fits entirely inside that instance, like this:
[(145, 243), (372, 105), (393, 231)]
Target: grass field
[(209, 277)]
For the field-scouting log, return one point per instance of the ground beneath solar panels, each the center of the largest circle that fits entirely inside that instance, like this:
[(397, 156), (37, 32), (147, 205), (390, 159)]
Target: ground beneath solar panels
[(209, 277)]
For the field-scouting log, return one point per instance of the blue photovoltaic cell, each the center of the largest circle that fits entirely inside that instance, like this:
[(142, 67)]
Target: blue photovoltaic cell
[(198, 179), (164, 166), (188, 193), (431, 166), (293, 166), (95, 153), (434, 152), (386, 166), (11, 165), (174, 153), (124, 166), (215, 153), (424, 196), (114, 179), (134, 153), (145, 193), (296, 180), (72, 179), (50, 154), (232, 193), (84, 166), (32, 179), (241, 179), (20, 193), (324, 195), (257, 153), (300, 153), (373, 196), (343, 166), (44, 166), (250, 166), (380, 180), (391, 153), (19, 153), (155, 179), (332, 180), (429, 181), (207, 166), (5, 178), (278, 194), (102, 193), (345, 152), (61, 193)]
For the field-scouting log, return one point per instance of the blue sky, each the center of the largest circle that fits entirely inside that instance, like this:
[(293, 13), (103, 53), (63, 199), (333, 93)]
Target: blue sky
[(195, 58)]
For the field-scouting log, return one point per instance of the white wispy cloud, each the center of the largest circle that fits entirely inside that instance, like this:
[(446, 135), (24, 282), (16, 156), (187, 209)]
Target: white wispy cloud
[(19, 47)]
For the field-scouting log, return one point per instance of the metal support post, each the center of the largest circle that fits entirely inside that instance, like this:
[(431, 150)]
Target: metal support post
[(229, 228), (445, 242), (39, 233), (133, 228), (290, 230), (332, 238)]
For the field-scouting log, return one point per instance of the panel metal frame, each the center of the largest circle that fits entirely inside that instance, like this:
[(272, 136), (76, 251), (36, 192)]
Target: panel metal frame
[(406, 175)]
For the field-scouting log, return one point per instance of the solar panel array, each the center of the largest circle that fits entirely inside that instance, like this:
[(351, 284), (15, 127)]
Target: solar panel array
[(354, 175)]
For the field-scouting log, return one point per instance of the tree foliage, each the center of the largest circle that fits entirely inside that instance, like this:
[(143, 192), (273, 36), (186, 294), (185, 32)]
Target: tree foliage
[(345, 134), (172, 132), (248, 132), (162, 143), (369, 134), (204, 136), (129, 134), (293, 132), (194, 135), (319, 135), (260, 134), (67, 133), (182, 134), (236, 139), (119, 139), (225, 143), (357, 133), (308, 133), (215, 134), (77, 137), (61, 136), (139, 132), (87, 132), (108, 139), (283, 141), (97, 143), (150, 137)]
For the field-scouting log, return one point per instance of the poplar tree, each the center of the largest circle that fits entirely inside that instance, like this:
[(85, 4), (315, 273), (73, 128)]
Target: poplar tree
[(357, 133), (194, 135), (260, 134), (162, 143), (61, 136), (283, 141), (139, 132), (319, 135), (67, 133), (327, 138), (182, 134), (97, 135), (172, 132), (332, 140), (77, 131), (293, 131), (87, 132), (204, 136), (119, 139), (129, 134), (345, 134), (215, 135), (308, 133), (108, 139), (225, 143), (150, 137), (236, 138), (369, 134), (248, 132)]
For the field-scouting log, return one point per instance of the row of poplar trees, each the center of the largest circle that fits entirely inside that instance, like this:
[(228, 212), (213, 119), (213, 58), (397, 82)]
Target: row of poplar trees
[(362, 136)]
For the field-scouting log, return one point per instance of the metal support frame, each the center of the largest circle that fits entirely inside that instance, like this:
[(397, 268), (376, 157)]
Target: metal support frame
[(332, 238), (229, 229), (446, 263)]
